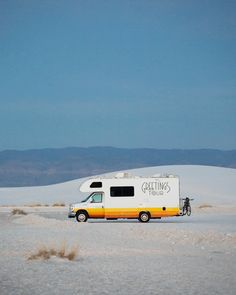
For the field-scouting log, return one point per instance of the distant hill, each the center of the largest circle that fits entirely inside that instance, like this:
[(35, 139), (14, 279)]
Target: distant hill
[(48, 166)]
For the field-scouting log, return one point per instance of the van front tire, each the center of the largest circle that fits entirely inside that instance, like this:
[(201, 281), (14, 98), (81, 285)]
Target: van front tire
[(144, 217), (81, 216)]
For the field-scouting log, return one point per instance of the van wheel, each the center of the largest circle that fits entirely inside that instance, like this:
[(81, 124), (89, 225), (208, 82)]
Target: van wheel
[(81, 216), (144, 217)]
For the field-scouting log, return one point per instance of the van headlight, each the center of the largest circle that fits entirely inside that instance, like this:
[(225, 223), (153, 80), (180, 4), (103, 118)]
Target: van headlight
[(71, 207)]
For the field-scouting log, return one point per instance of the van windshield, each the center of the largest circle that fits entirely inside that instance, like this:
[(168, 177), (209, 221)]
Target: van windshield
[(86, 199)]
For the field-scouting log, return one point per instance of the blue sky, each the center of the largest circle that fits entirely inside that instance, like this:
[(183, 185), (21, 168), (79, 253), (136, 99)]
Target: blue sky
[(158, 74)]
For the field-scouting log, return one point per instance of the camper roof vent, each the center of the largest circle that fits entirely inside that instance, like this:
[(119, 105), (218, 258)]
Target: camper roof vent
[(157, 175), (123, 175)]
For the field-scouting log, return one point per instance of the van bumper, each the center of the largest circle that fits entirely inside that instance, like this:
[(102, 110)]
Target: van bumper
[(71, 215)]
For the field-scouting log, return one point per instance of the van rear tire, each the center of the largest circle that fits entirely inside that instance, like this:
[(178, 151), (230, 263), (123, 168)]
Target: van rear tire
[(144, 216), (81, 216)]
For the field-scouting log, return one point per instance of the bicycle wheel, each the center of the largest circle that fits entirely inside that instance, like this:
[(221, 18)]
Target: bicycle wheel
[(188, 210), (184, 210)]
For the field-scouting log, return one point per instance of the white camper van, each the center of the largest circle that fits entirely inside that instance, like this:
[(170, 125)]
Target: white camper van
[(127, 196)]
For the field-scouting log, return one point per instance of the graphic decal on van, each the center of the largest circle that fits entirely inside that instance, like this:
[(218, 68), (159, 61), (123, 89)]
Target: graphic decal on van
[(156, 188)]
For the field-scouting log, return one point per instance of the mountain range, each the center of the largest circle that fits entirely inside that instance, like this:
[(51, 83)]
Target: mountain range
[(49, 166)]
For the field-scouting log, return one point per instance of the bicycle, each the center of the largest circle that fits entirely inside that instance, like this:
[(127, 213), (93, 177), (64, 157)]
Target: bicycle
[(187, 207)]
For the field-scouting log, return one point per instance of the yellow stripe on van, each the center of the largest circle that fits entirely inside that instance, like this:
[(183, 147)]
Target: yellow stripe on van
[(129, 212), (134, 212)]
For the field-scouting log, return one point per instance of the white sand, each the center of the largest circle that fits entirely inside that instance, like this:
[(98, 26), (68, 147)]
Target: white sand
[(179, 255), (205, 184)]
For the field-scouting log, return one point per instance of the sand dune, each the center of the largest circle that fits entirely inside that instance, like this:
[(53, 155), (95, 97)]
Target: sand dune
[(205, 184)]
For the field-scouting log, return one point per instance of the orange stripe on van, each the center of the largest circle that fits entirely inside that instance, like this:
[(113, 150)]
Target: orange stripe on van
[(129, 212), (134, 212)]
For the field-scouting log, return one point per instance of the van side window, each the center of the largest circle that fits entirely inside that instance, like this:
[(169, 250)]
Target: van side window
[(122, 191), (96, 198), (96, 184)]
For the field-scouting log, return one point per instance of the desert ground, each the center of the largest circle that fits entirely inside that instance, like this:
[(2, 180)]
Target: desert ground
[(178, 255)]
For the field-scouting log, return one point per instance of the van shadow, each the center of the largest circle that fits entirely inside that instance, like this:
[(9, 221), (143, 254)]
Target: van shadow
[(157, 221)]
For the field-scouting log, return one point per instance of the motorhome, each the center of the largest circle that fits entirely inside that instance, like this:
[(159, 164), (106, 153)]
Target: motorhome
[(131, 197)]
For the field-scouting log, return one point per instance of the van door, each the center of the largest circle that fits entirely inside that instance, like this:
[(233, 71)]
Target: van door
[(96, 206)]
